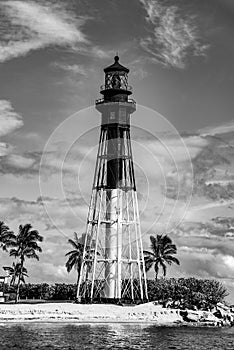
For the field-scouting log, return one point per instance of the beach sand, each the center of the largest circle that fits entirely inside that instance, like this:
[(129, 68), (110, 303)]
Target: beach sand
[(86, 313)]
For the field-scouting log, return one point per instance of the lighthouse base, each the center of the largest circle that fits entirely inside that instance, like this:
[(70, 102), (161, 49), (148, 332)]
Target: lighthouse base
[(113, 262)]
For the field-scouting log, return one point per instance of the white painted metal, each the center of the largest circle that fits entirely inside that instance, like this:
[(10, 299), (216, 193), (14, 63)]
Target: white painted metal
[(141, 246), (111, 240), (119, 242), (96, 243), (136, 216)]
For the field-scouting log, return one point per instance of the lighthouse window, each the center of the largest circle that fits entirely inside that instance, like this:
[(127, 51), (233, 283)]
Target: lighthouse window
[(115, 81), (112, 115), (122, 112)]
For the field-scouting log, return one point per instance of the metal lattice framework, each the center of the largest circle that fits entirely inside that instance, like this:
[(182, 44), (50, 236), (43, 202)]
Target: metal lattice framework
[(113, 263), (115, 80)]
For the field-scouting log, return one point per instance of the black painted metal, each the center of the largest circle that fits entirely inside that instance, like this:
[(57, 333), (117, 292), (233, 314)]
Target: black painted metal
[(114, 163)]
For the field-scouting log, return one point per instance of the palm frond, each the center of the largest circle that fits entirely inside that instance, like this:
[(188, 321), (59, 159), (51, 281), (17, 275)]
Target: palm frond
[(14, 252), (73, 243), (172, 259), (162, 251), (75, 256), (71, 262), (148, 265), (147, 252), (71, 252)]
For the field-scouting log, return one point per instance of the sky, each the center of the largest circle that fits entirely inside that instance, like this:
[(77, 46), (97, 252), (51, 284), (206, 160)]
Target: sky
[(180, 54)]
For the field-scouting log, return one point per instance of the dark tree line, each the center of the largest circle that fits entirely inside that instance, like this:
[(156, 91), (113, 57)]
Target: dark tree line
[(184, 292)]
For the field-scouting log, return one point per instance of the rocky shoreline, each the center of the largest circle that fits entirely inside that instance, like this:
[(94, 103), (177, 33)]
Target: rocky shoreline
[(103, 313)]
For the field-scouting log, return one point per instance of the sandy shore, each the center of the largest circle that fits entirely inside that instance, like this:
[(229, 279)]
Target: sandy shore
[(98, 313)]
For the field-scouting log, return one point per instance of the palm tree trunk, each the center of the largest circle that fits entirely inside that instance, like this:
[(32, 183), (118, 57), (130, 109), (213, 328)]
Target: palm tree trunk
[(19, 279), (156, 271), (78, 278), (17, 290), (77, 283), (86, 279)]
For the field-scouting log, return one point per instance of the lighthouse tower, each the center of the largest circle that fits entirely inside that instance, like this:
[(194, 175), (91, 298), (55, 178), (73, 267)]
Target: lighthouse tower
[(113, 267)]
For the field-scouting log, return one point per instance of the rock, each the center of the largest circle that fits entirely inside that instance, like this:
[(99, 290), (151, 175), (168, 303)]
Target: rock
[(222, 307), (209, 317), (192, 316)]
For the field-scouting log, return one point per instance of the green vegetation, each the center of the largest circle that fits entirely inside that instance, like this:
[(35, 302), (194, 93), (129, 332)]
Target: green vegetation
[(188, 292), (162, 253), (22, 245), (75, 256), (17, 272), (183, 292), (6, 236)]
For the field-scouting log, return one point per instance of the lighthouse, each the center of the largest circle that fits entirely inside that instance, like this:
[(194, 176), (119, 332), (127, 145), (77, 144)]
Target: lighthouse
[(113, 267)]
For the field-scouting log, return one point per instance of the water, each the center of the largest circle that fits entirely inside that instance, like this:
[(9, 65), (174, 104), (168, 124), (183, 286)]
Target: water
[(113, 336)]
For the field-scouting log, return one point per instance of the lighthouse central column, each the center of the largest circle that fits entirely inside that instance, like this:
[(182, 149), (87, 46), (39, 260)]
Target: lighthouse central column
[(111, 243)]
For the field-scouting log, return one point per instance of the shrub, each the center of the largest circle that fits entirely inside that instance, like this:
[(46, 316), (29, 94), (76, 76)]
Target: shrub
[(188, 292)]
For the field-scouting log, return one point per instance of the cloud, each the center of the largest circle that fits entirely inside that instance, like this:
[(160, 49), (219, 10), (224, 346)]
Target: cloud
[(229, 261), (216, 228), (26, 164), (9, 122), (205, 249), (203, 258), (73, 68), (20, 162), (63, 215), (205, 263), (174, 35), (50, 271), (9, 119), (218, 130), (4, 149), (213, 166), (175, 148), (29, 26), (171, 159)]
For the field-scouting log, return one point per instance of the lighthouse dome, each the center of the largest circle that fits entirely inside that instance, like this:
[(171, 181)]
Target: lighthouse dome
[(116, 66)]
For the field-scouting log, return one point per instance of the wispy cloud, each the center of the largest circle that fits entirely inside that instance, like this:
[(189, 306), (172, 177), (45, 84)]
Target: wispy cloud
[(72, 68), (206, 264), (28, 26), (174, 36), (3, 149), (218, 130), (22, 165), (64, 214), (218, 227), (20, 162), (9, 119)]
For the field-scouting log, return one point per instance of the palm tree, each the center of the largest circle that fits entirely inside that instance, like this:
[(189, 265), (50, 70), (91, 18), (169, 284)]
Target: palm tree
[(14, 272), (24, 245), (75, 256), (162, 254), (5, 236)]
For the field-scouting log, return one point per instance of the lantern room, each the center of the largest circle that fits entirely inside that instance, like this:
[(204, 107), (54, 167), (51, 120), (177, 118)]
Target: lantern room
[(116, 86)]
